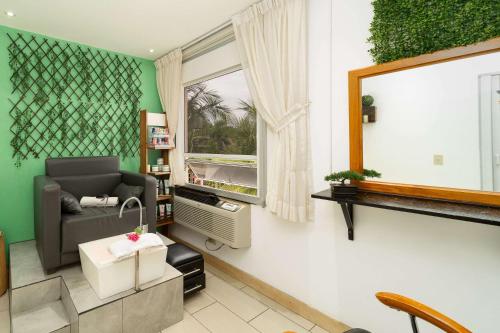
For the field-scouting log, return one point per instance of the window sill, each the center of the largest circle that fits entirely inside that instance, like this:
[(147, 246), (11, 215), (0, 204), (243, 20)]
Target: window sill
[(229, 195)]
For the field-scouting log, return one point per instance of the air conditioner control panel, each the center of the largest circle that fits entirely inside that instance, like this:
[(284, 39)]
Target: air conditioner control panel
[(232, 207)]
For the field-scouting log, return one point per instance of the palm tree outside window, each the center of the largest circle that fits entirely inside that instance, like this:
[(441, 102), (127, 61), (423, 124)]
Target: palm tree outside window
[(222, 136)]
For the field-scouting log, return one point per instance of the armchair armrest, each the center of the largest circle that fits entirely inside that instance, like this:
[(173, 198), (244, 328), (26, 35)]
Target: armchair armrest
[(148, 197), (47, 215)]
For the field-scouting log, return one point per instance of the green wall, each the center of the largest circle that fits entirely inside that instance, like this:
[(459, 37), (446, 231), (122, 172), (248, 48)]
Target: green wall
[(16, 184)]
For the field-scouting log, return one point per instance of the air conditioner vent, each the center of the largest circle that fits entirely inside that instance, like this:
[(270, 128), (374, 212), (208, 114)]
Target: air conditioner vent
[(231, 228)]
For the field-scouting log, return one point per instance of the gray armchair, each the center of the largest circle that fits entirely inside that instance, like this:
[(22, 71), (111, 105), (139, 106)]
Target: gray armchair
[(58, 234)]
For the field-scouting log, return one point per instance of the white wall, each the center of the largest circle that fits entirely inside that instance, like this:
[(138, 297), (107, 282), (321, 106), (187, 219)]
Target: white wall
[(451, 265), (427, 111), (297, 268)]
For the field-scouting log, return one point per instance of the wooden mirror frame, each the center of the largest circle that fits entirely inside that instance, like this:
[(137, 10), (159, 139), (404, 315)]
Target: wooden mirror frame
[(356, 130)]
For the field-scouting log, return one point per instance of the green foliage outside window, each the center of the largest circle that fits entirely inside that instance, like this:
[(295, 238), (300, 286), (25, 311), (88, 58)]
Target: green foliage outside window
[(213, 127), (231, 188), (407, 28)]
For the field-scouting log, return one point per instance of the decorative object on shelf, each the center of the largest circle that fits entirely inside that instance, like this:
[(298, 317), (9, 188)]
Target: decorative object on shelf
[(368, 109), (71, 100), (367, 100), (168, 209), (158, 136), (407, 28), (338, 181)]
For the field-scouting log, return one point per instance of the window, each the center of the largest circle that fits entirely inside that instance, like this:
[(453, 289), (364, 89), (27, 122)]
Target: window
[(222, 137)]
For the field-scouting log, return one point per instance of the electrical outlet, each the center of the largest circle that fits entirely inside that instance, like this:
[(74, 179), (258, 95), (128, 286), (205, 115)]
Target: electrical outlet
[(438, 160)]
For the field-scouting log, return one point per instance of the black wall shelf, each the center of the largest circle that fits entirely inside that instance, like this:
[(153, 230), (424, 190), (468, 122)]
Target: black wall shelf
[(439, 208)]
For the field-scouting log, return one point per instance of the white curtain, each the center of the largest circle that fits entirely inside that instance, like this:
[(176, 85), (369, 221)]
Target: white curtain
[(169, 83), (272, 40)]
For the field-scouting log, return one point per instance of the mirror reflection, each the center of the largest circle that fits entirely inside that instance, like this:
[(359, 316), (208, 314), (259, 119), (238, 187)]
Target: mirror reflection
[(436, 125)]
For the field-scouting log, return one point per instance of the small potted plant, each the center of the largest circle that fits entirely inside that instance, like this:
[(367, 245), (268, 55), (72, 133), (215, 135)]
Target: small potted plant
[(367, 100), (368, 109), (338, 181)]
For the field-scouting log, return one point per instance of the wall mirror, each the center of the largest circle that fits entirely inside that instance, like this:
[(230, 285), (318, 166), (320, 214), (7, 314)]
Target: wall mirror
[(430, 124)]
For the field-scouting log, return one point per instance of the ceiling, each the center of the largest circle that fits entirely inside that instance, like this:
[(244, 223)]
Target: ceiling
[(128, 26)]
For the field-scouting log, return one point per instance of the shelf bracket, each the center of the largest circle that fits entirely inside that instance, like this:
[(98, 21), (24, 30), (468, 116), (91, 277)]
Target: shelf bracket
[(348, 211)]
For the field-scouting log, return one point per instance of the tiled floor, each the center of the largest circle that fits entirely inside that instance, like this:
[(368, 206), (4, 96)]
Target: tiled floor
[(228, 305), (225, 306), (4, 314)]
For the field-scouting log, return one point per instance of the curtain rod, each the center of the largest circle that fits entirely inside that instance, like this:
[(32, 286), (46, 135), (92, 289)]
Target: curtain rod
[(201, 37), (207, 34)]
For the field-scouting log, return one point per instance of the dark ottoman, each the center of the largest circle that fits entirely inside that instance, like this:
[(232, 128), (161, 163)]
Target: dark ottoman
[(190, 263)]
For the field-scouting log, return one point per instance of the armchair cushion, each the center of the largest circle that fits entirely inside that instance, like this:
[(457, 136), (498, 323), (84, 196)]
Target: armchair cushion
[(69, 204), (124, 192), (89, 185)]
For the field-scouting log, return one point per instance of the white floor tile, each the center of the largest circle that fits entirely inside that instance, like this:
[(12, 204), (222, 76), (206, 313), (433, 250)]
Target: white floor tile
[(317, 329), (218, 319), (240, 303), (208, 274), (272, 322), (229, 279), (279, 308), (187, 325), (4, 302), (4, 322), (197, 302)]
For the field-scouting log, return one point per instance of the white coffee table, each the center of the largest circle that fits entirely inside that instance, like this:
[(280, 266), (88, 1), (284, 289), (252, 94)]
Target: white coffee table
[(109, 276)]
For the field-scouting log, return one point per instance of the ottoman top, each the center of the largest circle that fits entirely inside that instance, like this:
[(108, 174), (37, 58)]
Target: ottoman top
[(179, 254)]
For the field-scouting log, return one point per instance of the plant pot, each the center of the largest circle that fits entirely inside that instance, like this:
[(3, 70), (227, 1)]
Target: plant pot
[(343, 190), (370, 112)]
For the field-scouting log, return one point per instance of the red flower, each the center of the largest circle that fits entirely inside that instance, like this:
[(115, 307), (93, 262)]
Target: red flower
[(133, 237)]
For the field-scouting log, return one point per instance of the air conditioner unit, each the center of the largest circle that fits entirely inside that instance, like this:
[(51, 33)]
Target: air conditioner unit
[(227, 222)]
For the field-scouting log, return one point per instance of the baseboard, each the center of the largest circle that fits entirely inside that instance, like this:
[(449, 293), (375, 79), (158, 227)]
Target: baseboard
[(313, 315)]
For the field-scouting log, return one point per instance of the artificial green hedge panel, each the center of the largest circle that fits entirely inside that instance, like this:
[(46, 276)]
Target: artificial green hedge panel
[(71, 100), (407, 28)]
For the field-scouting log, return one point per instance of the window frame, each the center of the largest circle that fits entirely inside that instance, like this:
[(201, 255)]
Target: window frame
[(260, 157)]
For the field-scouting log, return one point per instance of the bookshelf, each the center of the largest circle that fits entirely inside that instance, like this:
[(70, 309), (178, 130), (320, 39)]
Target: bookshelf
[(159, 149)]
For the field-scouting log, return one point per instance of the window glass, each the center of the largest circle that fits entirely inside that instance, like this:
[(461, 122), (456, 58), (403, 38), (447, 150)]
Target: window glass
[(221, 134)]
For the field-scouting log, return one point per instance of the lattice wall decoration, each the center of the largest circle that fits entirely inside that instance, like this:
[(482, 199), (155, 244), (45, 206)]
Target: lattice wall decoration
[(70, 100)]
